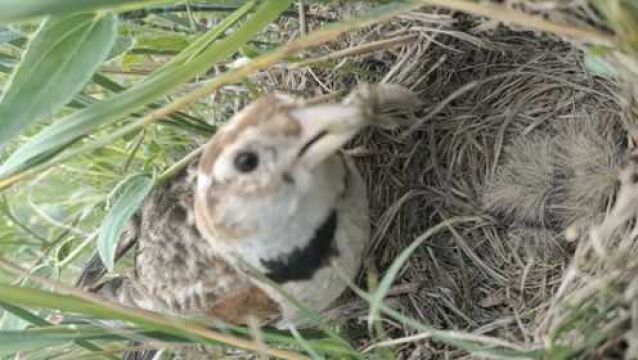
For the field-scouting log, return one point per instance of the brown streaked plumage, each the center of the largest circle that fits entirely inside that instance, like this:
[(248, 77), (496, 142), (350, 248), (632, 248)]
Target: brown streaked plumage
[(175, 269)]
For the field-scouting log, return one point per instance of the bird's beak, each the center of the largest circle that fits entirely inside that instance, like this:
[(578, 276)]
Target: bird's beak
[(325, 129)]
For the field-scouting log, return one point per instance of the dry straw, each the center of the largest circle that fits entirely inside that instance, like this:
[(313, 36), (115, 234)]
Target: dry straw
[(517, 133)]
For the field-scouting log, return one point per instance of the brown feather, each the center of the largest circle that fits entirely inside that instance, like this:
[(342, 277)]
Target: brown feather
[(248, 303)]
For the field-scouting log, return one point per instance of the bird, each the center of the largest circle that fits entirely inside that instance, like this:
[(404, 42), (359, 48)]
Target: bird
[(273, 210)]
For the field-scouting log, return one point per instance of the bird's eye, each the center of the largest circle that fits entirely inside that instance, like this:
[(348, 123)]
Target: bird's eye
[(246, 161)]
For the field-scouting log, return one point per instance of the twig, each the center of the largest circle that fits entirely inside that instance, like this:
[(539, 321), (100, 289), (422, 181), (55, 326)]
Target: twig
[(182, 163), (303, 27), (508, 16), (140, 14), (357, 50)]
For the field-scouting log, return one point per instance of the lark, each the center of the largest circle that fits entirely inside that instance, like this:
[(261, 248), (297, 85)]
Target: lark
[(272, 215)]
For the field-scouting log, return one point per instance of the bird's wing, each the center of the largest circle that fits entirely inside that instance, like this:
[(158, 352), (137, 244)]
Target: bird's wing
[(94, 270)]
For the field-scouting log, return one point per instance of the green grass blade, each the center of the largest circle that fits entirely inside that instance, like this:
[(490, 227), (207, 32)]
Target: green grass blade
[(316, 320), (12, 341), (59, 61), (385, 284), (203, 42), (83, 122), (21, 10), (86, 304), (485, 346), (24, 314), (305, 345), (34, 319), (133, 191)]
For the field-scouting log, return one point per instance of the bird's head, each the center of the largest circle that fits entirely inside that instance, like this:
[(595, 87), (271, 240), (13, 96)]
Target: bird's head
[(269, 179), (268, 142), (266, 158)]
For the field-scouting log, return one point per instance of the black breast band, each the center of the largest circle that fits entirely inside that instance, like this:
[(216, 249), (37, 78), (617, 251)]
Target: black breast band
[(302, 263)]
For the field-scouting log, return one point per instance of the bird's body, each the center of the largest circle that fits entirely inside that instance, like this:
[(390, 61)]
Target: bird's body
[(273, 206), (176, 270), (302, 227)]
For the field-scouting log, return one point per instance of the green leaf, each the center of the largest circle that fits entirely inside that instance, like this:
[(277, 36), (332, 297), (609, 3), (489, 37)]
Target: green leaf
[(121, 46), (25, 315), (60, 60), (20, 10), (198, 57), (133, 192), (8, 321), (7, 35)]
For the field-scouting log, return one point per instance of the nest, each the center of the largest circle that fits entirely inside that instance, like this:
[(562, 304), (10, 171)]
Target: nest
[(517, 149)]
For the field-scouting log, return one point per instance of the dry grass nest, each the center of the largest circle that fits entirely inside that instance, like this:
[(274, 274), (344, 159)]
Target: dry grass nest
[(522, 153)]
